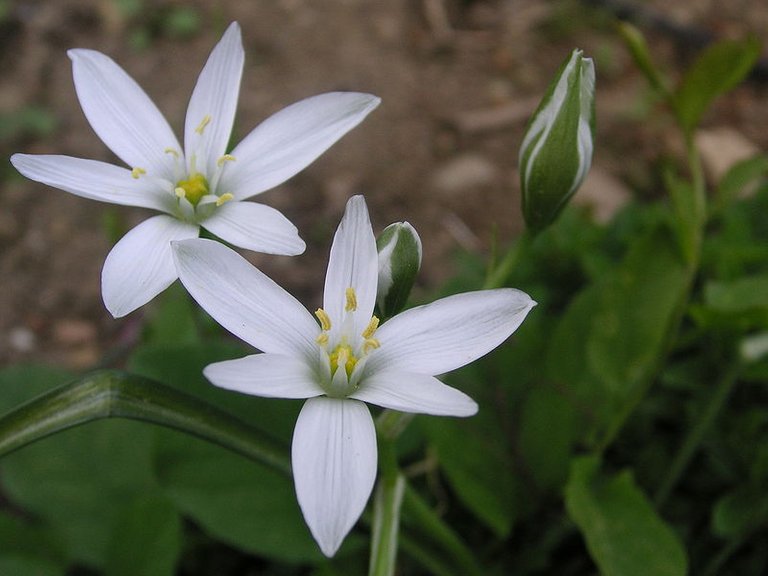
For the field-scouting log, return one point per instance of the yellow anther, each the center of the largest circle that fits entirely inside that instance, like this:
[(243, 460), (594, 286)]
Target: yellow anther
[(173, 152), (203, 123), (322, 338), (370, 344), (224, 198), (371, 328), (325, 320), (180, 193), (136, 172), (351, 300), (226, 158)]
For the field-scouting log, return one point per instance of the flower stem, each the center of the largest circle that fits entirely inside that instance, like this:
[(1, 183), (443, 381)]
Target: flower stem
[(386, 525), (432, 526), (696, 435), (108, 394), (499, 273)]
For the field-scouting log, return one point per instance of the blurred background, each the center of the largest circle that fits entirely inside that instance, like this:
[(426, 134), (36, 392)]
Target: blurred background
[(458, 79)]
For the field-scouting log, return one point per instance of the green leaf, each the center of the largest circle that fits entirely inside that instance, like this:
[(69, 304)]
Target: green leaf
[(33, 547), (547, 430), (146, 540), (77, 482), (738, 179), (638, 48), (235, 500), (718, 69), (606, 349), (689, 215), (739, 512), (484, 480), (29, 566), (748, 294), (624, 535), (172, 320)]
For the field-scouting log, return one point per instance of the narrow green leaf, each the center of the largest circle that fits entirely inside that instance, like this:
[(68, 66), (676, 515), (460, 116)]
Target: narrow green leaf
[(718, 69), (483, 480), (624, 535), (638, 48), (748, 294), (739, 178)]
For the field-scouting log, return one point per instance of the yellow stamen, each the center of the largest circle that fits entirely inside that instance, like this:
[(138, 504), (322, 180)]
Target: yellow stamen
[(226, 158), (203, 123), (180, 192), (193, 188), (136, 172), (325, 320), (224, 198), (370, 344), (322, 338), (351, 300), (371, 328), (173, 152)]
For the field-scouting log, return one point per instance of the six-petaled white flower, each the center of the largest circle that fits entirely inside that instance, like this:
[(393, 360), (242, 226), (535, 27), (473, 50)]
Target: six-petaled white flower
[(197, 185), (342, 359)]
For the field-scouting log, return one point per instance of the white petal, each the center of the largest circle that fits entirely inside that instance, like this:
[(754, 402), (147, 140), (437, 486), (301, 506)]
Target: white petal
[(214, 97), (140, 265), (353, 263), (244, 300), (334, 466), (93, 179), (255, 227), (288, 141), (411, 392), (450, 332), (268, 375), (122, 115)]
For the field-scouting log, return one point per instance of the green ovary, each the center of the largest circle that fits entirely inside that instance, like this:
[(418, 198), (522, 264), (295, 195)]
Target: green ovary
[(193, 188), (342, 356)]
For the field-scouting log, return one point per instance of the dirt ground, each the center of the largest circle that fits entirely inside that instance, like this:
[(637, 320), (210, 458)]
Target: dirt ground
[(458, 80)]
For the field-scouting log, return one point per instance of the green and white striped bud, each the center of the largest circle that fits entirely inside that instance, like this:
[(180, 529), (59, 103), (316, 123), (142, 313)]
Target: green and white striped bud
[(556, 152), (399, 248)]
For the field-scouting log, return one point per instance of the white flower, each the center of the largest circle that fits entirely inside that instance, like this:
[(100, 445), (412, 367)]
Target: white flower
[(199, 184), (343, 361)]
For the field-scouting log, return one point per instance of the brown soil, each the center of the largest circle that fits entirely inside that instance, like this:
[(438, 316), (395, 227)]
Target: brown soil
[(458, 81)]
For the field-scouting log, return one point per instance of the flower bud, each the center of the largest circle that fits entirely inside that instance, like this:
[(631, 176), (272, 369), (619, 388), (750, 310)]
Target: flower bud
[(556, 152), (399, 248)]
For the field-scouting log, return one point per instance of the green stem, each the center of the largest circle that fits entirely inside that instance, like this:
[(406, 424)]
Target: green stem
[(386, 524), (115, 394), (696, 435), (440, 534), (693, 260), (110, 394), (499, 274)]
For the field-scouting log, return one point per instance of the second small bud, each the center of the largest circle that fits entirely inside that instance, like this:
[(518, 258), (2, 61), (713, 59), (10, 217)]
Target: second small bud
[(556, 152), (399, 248)]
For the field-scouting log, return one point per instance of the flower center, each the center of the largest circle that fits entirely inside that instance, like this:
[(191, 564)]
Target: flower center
[(193, 188), (348, 350), (342, 356)]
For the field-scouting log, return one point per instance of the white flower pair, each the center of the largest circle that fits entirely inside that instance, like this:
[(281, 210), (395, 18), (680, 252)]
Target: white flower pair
[(337, 360)]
